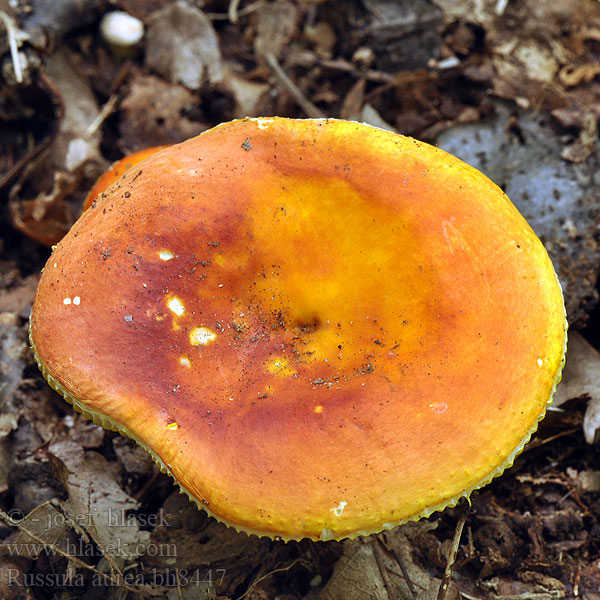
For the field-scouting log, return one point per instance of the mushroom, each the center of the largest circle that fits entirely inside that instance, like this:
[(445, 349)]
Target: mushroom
[(117, 170), (320, 329), (121, 31)]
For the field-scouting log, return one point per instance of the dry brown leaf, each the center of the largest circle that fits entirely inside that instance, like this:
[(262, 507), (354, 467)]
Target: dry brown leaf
[(74, 146), (354, 100), (358, 574), (96, 501), (537, 59), (133, 457), (83, 431), (204, 547), (535, 586), (322, 35), (38, 205), (48, 216), (276, 22), (369, 115), (481, 12), (587, 480), (182, 46), (539, 62), (46, 524), (246, 94), (153, 114), (585, 144), (581, 377)]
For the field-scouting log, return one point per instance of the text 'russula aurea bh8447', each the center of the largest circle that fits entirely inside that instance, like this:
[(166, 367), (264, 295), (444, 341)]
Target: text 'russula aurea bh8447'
[(320, 329)]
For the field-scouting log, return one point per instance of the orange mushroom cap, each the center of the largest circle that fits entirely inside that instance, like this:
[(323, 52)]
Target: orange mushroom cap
[(118, 169), (318, 328)]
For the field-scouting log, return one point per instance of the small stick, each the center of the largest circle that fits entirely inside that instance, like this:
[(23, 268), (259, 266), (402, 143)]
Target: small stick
[(379, 557), (501, 7), (236, 13), (270, 573), (12, 35), (282, 78), (409, 583), (445, 584), (233, 11), (179, 596), (102, 115)]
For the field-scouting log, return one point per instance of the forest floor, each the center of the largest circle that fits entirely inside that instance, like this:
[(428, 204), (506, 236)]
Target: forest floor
[(513, 87)]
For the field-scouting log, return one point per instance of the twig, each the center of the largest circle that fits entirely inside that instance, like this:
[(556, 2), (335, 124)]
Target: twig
[(232, 12), (501, 7), (445, 584), (139, 495), (537, 442), (15, 38), (239, 13), (108, 107), (284, 81), (267, 575), (309, 60), (379, 556), (178, 584), (409, 583)]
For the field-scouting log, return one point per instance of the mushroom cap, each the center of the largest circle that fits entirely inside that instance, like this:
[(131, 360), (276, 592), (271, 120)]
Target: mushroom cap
[(320, 329), (121, 29), (116, 170)]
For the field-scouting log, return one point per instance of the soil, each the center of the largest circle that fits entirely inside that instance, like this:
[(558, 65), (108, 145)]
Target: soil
[(512, 87)]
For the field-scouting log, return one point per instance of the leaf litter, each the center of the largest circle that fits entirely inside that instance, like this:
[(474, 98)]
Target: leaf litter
[(512, 87)]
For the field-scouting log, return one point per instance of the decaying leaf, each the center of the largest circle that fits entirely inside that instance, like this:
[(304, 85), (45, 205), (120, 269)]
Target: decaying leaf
[(585, 144), (39, 531), (354, 100), (536, 56), (133, 458), (581, 377), (75, 145), (586, 481), (48, 216), (48, 22), (276, 22), (534, 586), (182, 46), (83, 431), (96, 502), (369, 115), (247, 94), (38, 204), (481, 12), (356, 575), (367, 571), (195, 542), (153, 114)]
